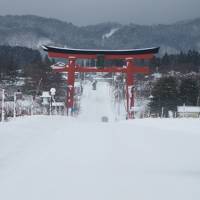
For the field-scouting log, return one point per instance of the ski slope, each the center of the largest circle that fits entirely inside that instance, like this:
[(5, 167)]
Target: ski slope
[(59, 158)]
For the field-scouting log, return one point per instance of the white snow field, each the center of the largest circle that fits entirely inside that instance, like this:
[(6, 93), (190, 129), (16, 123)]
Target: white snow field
[(59, 158)]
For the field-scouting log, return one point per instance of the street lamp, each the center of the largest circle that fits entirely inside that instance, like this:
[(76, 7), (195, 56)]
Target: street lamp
[(52, 93), (150, 99)]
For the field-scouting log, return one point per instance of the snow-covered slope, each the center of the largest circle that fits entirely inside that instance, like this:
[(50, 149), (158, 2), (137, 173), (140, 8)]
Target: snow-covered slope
[(96, 104), (110, 33), (55, 157)]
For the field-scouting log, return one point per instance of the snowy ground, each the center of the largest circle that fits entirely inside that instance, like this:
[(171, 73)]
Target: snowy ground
[(96, 103), (59, 158)]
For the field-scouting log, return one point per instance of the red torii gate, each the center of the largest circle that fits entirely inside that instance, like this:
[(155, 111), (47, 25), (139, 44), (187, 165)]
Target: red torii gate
[(130, 69)]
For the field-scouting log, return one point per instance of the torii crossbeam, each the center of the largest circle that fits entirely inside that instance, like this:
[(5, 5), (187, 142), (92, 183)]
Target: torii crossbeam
[(129, 69)]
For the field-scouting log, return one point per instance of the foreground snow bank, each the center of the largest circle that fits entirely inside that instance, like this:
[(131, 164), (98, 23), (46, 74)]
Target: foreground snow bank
[(49, 157)]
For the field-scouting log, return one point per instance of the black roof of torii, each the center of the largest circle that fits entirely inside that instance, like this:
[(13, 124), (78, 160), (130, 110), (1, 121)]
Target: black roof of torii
[(52, 49)]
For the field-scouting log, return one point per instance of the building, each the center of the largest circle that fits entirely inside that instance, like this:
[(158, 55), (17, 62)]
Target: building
[(188, 111)]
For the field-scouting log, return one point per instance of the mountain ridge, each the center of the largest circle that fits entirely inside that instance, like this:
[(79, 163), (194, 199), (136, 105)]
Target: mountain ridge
[(32, 31)]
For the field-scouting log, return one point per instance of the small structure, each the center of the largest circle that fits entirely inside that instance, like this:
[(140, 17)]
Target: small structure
[(156, 76), (188, 111), (45, 98), (104, 119), (58, 108), (50, 105)]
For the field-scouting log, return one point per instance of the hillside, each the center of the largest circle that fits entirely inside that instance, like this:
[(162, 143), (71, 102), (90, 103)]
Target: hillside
[(32, 31)]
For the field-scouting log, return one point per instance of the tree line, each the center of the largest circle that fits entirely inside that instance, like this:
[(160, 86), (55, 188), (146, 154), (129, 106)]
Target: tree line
[(29, 64), (34, 67), (170, 92), (183, 62)]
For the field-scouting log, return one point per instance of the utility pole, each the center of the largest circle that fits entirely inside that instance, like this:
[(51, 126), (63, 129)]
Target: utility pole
[(118, 98), (14, 108), (32, 103), (15, 101), (2, 106), (162, 112), (52, 99)]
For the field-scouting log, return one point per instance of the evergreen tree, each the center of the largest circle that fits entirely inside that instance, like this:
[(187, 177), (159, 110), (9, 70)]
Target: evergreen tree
[(165, 96), (189, 91)]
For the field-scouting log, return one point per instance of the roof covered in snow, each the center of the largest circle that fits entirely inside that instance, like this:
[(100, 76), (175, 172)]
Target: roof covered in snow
[(45, 94), (191, 109)]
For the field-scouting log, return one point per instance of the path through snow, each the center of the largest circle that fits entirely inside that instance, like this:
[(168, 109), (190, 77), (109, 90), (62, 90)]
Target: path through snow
[(96, 103)]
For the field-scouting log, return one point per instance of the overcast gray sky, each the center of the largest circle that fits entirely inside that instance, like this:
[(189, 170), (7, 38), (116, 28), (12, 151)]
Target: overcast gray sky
[(84, 12)]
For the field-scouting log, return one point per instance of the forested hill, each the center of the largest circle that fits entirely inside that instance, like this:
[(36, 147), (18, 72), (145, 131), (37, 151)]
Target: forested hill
[(32, 31)]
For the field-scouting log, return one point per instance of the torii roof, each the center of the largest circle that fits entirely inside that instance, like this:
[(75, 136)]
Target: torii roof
[(79, 53), (152, 50)]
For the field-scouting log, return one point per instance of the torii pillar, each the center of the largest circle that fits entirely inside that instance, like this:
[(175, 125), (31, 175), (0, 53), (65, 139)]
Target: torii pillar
[(131, 70), (70, 84)]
